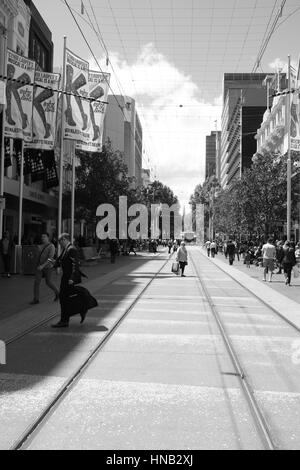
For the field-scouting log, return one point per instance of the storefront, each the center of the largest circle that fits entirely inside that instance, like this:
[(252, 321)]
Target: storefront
[(39, 212)]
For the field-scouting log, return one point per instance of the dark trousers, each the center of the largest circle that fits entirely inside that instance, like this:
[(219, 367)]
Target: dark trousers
[(6, 262), (182, 265), (231, 259), (63, 298), (287, 268)]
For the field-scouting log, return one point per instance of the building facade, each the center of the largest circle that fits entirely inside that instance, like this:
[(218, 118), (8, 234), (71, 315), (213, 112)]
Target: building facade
[(244, 104), (272, 137), (125, 132), (25, 30), (212, 165)]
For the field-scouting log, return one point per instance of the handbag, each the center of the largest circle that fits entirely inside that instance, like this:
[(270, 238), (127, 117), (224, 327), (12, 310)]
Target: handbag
[(175, 267)]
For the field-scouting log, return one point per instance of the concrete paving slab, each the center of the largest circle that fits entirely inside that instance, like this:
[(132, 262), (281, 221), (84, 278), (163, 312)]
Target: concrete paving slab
[(137, 416), (167, 327), (21, 399), (188, 344), (198, 370), (283, 415)]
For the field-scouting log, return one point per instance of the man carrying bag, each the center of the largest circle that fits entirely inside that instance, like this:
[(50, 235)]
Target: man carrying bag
[(73, 299)]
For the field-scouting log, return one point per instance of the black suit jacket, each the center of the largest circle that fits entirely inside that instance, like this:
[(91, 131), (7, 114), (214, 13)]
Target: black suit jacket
[(69, 262)]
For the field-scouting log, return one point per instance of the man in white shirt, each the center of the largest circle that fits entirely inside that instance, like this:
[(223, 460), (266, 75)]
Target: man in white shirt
[(269, 255)]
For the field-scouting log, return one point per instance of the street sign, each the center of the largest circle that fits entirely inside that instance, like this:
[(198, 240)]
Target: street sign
[(2, 203)]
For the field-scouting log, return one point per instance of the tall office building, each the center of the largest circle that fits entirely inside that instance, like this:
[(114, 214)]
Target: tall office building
[(244, 104), (212, 153), (125, 133)]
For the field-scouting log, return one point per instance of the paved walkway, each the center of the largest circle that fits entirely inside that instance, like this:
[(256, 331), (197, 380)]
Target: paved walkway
[(17, 292), (254, 272)]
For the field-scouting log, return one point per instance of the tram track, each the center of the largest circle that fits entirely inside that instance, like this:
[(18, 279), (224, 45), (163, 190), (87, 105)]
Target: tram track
[(45, 321), (22, 442), (270, 307), (261, 423)]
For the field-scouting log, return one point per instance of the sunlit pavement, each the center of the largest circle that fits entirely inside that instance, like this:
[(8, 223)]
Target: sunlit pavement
[(164, 380)]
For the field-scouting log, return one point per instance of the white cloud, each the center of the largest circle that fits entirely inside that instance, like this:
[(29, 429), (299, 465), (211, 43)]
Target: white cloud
[(175, 117)]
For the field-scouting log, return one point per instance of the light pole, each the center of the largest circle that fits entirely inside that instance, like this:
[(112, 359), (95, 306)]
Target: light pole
[(289, 162), (3, 32)]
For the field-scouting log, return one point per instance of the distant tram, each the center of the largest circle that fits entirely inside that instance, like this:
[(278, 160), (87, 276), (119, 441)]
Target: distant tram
[(189, 237)]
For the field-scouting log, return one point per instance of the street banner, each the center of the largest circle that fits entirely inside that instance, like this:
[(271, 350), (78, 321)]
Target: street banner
[(19, 97), (44, 110), (295, 112), (98, 85), (2, 92), (7, 152), (77, 109)]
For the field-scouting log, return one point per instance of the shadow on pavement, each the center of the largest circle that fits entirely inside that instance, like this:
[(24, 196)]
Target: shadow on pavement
[(48, 352)]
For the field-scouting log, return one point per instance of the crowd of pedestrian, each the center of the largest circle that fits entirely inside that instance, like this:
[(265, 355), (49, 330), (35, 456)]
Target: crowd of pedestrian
[(275, 257)]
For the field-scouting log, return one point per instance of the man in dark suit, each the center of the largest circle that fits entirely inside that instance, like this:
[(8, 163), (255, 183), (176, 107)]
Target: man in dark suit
[(69, 262)]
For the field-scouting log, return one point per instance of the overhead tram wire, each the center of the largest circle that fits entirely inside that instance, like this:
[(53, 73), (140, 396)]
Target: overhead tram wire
[(267, 39), (94, 57), (125, 54), (103, 45), (96, 61)]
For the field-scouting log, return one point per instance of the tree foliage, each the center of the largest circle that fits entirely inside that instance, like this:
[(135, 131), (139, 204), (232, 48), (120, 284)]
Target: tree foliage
[(254, 203)]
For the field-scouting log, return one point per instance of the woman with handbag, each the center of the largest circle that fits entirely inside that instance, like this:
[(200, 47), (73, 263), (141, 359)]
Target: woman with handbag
[(182, 258)]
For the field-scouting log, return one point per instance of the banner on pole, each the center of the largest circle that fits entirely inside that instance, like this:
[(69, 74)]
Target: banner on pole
[(19, 97), (76, 116), (294, 114), (2, 93), (45, 101), (98, 86)]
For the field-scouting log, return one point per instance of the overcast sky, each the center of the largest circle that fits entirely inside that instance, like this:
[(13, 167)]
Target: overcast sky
[(170, 55)]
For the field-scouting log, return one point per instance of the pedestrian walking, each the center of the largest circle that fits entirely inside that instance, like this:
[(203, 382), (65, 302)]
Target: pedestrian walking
[(268, 255), (182, 258), (249, 256), (213, 249), (279, 256), (6, 249), (207, 245), (237, 249), (71, 275), (44, 269), (175, 246), (114, 249), (170, 244), (297, 255), (288, 262), (230, 251)]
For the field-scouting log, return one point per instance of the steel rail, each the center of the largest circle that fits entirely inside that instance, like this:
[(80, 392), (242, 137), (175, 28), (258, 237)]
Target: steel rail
[(43, 322), (34, 428), (260, 421), (270, 307)]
